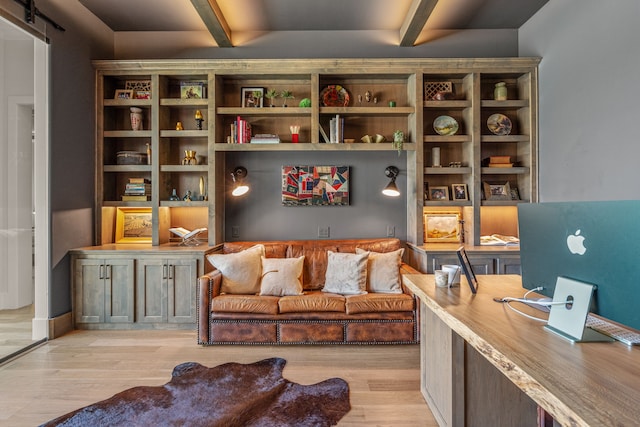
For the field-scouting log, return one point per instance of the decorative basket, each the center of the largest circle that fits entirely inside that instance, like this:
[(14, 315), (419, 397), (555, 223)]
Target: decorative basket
[(131, 158), (431, 88)]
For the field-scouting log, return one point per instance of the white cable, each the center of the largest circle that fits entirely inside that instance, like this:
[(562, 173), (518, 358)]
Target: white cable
[(525, 300), (539, 319)]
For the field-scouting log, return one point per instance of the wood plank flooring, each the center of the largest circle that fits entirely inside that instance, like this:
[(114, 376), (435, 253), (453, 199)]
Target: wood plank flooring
[(83, 367), (15, 330)]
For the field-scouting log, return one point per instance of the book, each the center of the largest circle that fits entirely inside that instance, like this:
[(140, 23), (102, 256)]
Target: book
[(324, 135), (139, 181), (187, 234), (265, 138), (499, 240)]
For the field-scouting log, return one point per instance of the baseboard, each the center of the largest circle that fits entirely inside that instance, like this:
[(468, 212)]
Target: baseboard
[(58, 326)]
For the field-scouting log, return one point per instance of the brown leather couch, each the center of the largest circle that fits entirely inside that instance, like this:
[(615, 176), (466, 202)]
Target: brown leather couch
[(372, 318)]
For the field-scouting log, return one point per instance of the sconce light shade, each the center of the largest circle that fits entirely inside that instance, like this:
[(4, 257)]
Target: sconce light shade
[(239, 187), (391, 189)]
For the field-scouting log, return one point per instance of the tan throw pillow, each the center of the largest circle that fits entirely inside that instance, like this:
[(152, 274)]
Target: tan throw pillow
[(346, 273), (383, 271), (241, 271), (281, 276)]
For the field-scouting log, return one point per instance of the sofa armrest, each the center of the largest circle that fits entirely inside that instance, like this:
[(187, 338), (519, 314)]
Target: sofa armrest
[(407, 269), (208, 287)]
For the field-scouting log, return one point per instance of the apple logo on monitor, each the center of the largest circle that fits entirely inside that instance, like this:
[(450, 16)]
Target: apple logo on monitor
[(575, 243)]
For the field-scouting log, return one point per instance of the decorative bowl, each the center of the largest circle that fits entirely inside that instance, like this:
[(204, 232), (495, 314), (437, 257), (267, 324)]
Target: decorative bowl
[(445, 125)]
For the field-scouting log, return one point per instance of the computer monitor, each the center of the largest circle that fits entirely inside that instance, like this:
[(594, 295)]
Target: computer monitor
[(594, 242)]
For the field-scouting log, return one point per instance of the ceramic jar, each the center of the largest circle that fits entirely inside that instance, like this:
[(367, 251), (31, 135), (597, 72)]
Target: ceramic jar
[(136, 118), (500, 92)]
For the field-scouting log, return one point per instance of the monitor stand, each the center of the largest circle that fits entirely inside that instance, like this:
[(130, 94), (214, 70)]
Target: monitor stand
[(569, 320)]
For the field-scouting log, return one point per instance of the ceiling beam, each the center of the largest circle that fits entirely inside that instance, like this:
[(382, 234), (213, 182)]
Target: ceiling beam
[(213, 18), (419, 12)]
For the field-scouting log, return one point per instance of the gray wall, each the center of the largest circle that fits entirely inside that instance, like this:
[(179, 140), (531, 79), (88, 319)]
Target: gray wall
[(589, 98), (259, 215)]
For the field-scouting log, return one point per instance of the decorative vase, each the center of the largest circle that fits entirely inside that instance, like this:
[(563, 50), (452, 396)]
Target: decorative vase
[(136, 118), (174, 195), (500, 92), (189, 158)]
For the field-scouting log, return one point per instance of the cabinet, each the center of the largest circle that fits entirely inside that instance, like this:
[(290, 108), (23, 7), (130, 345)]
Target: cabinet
[(463, 155), (106, 293), (136, 286)]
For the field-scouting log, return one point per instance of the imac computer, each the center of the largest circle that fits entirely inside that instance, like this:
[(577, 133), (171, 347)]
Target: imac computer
[(592, 242)]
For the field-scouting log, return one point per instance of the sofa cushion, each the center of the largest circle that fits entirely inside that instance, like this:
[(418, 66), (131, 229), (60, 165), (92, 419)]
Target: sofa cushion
[(315, 264), (240, 271), (383, 271), (254, 304), (281, 276), (312, 301), (272, 249), (346, 273), (373, 303)]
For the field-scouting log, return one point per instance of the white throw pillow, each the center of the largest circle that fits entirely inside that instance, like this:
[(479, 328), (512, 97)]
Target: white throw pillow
[(281, 276), (383, 271), (241, 271), (346, 273)]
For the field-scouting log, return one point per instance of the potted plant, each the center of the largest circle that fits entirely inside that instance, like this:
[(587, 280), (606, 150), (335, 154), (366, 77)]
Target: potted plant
[(286, 94), (398, 140), (271, 95)]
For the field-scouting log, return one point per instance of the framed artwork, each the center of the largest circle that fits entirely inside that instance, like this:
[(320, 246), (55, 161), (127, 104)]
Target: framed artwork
[(249, 98), (442, 227), (497, 191), (192, 90), (459, 192), (133, 225), (439, 193), (123, 94), (142, 94), (315, 185)]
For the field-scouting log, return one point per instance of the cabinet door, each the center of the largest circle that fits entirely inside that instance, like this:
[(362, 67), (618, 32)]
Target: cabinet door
[(151, 296), (118, 298), (89, 298), (182, 290), (509, 265)]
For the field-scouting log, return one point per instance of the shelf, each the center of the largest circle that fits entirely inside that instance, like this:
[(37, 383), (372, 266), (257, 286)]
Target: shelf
[(503, 202), (183, 204), (285, 146), (127, 168), (447, 171), (265, 111), (443, 139), (518, 170), (126, 102), (506, 138), (184, 168), (441, 203), (120, 203), (516, 103), (169, 133), (127, 134), (180, 102), (447, 104), (382, 111)]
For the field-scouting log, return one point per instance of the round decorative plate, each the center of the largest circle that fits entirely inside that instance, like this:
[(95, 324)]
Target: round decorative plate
[(499, 124), (334, 96), (445, 125)]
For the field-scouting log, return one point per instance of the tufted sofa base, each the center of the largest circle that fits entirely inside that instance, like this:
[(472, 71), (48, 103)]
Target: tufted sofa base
[(326, 327)]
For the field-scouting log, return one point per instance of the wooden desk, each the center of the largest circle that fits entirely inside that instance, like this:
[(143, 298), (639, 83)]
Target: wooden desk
[(483, 364)]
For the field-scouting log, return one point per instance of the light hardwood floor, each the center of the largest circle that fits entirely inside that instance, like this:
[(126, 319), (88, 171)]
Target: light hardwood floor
[(83, 367), (15, 330)]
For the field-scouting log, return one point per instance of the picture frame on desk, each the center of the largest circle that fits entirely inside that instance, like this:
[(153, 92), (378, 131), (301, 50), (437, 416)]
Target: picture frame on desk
[(248, 98), (439, 192), (133, 225), (123, 94), (459, 192), (497, 191)]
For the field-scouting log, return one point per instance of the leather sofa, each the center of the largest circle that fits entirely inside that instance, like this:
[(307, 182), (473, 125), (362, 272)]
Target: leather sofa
[(315, 317)]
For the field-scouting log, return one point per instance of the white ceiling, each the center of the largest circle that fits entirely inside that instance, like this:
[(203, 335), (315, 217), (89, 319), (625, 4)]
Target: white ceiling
[(320, 15)]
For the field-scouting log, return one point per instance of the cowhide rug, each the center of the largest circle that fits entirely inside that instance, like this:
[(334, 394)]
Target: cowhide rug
[(228, 395)]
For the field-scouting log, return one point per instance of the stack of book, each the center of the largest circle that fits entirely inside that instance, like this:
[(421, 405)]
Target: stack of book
[(240, 131), (336, 130), (137, 190), (265, 138), (500, 162)]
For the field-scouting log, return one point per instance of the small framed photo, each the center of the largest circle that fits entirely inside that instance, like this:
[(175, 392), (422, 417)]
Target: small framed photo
[(497, 191), (252, 97), (192, 90), (439, 193), (459, 192), (123, 94), (133, 225), (142, 94), (442, 227)]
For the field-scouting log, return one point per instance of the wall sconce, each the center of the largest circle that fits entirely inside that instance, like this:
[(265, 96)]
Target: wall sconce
[(239, 187), (391, 189)]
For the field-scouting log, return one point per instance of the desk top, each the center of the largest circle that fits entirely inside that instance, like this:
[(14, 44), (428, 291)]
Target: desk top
[(578, 384)]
